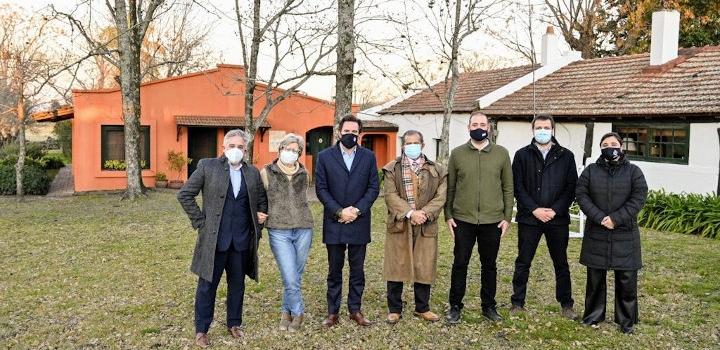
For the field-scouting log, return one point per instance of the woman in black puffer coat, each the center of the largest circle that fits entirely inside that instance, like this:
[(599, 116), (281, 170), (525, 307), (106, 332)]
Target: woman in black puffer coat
[(611, 193)]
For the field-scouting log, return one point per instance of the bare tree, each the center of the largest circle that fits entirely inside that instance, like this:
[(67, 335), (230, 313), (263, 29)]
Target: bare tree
[(476, 62), (450, 23), (28, 65), (579, 21), (131, 19), (345, 59), (298, 46), (175, 44)]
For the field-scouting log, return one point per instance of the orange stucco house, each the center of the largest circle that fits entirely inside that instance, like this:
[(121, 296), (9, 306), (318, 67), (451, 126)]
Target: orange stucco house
[(191, 114)]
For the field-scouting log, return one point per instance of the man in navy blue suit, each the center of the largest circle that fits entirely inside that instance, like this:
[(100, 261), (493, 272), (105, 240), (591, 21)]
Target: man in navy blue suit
[(346, 182)]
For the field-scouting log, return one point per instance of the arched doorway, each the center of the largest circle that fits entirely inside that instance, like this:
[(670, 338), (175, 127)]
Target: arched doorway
[(317, 140)]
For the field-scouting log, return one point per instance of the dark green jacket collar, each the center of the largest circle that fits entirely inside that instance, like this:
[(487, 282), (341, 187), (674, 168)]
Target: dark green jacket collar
[(487, 148)]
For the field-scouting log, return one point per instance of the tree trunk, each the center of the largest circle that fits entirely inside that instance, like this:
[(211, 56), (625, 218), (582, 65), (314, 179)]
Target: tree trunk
[(250, 82), (717, 191), (444, 151), (587, 148), (20, 166), (345, 60), (130, 90)]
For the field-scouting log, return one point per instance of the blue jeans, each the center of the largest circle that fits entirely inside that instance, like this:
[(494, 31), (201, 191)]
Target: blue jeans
[(291, 248)]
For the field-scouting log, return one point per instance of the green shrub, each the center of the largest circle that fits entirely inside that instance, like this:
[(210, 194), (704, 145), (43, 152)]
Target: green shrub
[(35, 180), (53, 161), (32, 150), (695, 214), (12, 160), (63, 131), (120, 165)]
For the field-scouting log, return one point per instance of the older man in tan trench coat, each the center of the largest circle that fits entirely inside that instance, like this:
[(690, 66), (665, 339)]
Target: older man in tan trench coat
[(415, 190)]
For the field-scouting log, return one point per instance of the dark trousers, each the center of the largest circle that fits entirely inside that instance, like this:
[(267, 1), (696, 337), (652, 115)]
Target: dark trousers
[(394, 297), (336, 261), (233, 262), (488, 239), (626, 303), (556, 237)]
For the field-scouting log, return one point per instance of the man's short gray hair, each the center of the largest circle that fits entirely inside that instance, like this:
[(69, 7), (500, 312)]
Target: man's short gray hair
[(290, 139), (234, 133), (411, 132)]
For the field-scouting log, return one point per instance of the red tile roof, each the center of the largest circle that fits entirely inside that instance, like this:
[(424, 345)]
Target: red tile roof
[(54, 115), (624, 86), (214, 120), (378, 125), (471, 87)]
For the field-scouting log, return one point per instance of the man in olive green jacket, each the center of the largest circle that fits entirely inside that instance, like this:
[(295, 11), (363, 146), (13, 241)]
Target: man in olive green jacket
[(478, 208)]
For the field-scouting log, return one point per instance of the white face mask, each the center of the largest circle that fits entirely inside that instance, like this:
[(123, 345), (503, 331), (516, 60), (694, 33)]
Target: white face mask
[(288, 157), (234, 155)]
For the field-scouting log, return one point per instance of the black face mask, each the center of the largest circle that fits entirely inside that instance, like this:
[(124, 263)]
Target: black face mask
[(478, 134), (611, 153), (348, 140)]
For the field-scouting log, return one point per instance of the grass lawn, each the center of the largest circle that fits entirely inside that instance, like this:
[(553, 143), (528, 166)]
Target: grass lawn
[(97, 272)]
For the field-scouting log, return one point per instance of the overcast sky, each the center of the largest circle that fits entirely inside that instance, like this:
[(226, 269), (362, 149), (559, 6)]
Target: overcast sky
[(225, 41)]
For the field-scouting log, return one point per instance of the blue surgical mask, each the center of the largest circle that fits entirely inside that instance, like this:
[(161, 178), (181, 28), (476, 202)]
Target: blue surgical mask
[(413, 151), (543, 136)]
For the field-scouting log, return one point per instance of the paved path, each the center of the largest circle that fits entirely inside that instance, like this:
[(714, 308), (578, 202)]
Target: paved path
[(62, 184)]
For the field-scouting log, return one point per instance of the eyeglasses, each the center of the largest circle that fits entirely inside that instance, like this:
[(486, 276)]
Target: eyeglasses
[(296, 151), (240, 147)]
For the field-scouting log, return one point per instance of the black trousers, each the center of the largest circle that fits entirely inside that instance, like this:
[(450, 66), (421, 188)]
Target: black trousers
[(394, 297), (233, 262), (336, 261), (488, 239), (626, 303), (556, 237)]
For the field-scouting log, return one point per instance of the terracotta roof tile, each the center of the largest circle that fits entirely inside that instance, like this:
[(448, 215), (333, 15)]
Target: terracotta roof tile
[(624, 85), (214, 120), (378, 125), (471, 87)]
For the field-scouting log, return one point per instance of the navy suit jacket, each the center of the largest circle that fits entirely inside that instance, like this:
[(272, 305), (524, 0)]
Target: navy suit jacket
[(337, 188)]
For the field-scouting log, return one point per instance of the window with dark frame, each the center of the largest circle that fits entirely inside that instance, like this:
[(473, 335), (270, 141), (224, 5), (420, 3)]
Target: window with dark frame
[(112, 144), (650, 142)]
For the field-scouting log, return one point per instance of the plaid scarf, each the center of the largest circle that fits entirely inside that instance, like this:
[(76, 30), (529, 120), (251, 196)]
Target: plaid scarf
[(409, 166)]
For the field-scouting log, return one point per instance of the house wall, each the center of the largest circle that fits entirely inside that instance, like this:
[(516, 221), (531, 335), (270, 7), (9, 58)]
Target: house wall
[(700, 175), (430, 125), (514, 135), (216, 92)]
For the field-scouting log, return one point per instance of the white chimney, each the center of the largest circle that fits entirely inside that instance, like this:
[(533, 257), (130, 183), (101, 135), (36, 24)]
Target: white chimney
[(664, 40), (550, 52)]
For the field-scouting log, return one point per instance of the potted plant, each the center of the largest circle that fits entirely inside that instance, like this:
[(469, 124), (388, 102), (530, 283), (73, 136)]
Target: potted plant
[(177, 161), (160, 180)]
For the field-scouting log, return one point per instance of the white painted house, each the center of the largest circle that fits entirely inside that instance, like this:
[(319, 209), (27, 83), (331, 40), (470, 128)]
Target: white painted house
[(665, 104)]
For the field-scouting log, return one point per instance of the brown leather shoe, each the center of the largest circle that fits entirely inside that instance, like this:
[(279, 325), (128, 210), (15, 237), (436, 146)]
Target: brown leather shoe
[(285, 320), (427, 316), (331, 320), (393, 318), (360, 319), (201, 340), (236, 332), (296, 323)]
